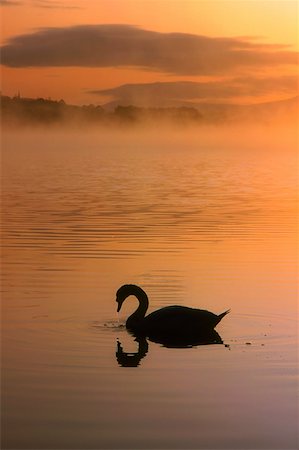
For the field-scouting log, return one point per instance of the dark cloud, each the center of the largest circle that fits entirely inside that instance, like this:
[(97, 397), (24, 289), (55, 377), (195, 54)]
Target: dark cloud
[(170, 93), (124, 45)]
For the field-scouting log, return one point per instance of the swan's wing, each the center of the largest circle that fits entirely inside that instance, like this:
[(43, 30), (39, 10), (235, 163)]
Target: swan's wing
[(181, 316)]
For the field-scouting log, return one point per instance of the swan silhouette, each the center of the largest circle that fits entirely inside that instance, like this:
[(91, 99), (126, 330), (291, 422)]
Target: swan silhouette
[(171, 322)]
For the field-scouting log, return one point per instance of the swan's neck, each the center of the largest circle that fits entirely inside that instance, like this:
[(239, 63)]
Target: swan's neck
[(140, 312)]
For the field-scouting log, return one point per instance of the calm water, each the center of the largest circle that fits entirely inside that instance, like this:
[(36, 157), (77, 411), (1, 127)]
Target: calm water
[(206, 220)]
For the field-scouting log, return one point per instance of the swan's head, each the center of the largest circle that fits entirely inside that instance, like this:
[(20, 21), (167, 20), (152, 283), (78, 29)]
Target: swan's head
[(124, 292), (119, 301)]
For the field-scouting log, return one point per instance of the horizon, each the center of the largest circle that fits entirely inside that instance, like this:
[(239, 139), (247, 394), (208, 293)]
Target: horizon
[(18, 111), (107, 106)]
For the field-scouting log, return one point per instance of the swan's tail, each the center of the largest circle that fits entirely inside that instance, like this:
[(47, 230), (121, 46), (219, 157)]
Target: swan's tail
[(220, 316)]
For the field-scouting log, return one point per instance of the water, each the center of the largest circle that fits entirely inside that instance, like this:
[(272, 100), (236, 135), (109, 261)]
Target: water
[(202, 219)]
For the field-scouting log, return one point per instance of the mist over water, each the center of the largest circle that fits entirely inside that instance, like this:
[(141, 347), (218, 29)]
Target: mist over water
[(203, 217)]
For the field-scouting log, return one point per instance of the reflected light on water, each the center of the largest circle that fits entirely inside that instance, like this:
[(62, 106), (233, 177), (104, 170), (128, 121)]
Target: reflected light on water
[(206, 220)]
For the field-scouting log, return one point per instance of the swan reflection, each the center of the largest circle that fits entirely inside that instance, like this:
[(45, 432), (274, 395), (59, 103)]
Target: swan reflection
[(132, 359), (172, 326)]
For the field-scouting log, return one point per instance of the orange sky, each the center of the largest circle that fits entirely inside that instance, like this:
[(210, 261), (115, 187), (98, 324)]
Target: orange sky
[(256, 22)]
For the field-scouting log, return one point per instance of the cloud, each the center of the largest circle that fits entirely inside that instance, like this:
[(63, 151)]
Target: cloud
[(52, 4), (9, 3), (181, 92), (48, 4), (125, 45)]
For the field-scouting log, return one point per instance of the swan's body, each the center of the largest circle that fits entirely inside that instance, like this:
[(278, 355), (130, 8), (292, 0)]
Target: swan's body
[(169, 321)]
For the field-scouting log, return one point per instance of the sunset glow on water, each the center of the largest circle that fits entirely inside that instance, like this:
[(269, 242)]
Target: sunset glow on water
[(210, 226), (172, 164)]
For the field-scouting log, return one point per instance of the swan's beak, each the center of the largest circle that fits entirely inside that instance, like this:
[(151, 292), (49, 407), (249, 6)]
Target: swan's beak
[(118, 305)]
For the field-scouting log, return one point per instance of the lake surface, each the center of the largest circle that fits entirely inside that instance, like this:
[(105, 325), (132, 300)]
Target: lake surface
[(205, 219)]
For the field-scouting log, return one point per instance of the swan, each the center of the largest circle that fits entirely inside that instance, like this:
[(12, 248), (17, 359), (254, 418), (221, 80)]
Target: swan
[(170, 321)]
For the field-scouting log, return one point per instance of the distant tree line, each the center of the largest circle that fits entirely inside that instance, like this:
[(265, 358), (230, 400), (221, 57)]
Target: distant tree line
[(27, 111), (18, 110)]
